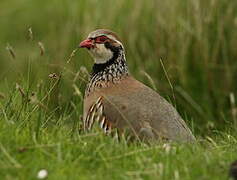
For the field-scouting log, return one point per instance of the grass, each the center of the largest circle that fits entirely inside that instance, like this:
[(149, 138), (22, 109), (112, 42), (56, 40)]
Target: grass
[(67, 154), (184, 50), (34, 139)]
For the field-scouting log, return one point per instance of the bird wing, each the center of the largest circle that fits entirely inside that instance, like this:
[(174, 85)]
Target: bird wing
[(96, 114)]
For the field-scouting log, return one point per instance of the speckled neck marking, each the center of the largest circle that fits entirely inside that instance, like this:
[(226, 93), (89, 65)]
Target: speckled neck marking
[(112, 71)]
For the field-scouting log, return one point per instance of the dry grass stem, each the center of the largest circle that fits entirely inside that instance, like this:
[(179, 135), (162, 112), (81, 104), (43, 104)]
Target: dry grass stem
[(76, 77), (34, 100), (168, 79), (190, 100), (149, 79), (233, 107), (77, 91), (9, 157), (84, 70), (211, 141), (72, 55), (133, 152)]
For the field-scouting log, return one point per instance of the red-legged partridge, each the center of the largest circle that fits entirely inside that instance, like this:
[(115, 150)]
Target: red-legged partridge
[(120, 103)]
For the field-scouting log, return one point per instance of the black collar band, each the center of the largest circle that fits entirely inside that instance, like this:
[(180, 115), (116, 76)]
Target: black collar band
[(101, 67)]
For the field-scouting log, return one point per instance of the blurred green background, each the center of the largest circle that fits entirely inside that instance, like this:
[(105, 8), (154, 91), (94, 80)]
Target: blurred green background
[(195, 40)]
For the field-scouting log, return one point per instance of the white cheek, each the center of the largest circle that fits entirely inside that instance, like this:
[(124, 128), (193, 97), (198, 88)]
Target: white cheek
[(101, 54)]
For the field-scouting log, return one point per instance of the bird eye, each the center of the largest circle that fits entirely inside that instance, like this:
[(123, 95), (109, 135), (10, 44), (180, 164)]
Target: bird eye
[(101, 39)]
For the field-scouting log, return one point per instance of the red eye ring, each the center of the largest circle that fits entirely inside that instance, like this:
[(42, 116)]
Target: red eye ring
[(101, 39)]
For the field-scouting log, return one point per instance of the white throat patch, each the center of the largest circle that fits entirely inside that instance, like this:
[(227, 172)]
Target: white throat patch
[(101, 54)]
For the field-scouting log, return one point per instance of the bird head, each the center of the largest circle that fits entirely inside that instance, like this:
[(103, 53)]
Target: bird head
[(103, 45)]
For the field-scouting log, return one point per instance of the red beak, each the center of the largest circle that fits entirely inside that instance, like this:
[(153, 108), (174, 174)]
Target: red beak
[(86, 44)]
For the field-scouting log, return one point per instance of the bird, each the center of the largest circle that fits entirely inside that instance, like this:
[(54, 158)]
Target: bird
[(119, 104)]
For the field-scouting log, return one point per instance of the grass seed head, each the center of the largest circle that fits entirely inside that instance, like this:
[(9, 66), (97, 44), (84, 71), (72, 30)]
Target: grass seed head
[(10, 49), (53, 76), (33, 98), (30, 34), (42, 49), (20, 89)]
